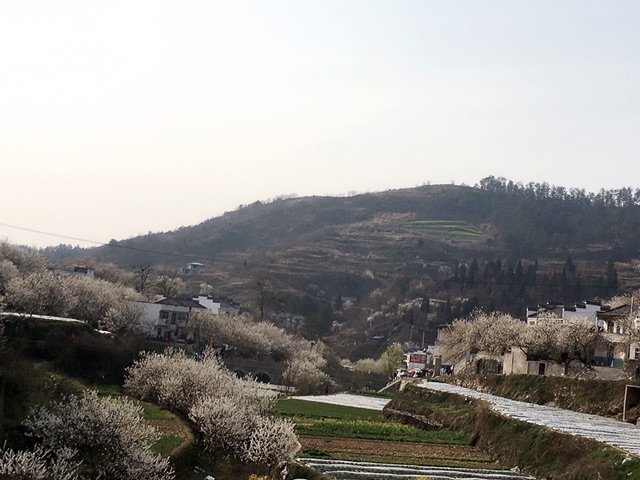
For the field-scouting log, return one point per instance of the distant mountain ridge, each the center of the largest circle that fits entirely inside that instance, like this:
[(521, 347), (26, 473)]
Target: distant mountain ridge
[(485, 220), (417, 241)]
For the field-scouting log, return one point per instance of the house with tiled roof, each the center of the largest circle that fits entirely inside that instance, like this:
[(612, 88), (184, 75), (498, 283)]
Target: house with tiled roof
[(217, 305), (586, 310), (168, 318), (620, 327)]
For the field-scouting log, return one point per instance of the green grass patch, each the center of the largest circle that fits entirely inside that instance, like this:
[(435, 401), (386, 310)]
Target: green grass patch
[(291, 407), (166, 445), (151, 412), (454, 229), (369, 393), (108, 390)]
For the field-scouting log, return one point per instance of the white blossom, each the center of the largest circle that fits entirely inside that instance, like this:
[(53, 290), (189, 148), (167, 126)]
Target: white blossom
[(38, 464), (108, 435), (225, 410)]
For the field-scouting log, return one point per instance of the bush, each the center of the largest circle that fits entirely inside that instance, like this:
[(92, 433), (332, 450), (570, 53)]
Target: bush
[(37, 465), (107, 435), (306, 377), (229, 413)]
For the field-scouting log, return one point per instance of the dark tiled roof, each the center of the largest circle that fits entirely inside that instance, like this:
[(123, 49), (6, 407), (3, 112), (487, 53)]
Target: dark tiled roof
[(623, 310), (180, 302)]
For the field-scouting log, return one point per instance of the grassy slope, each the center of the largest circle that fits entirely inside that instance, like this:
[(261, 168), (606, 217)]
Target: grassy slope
[(47, 360)]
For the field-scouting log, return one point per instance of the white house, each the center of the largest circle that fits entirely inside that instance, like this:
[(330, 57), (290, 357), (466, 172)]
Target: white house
[(193, 268), (587, 310), (619, 326), (217, 306), (77, 272), (167, 319)]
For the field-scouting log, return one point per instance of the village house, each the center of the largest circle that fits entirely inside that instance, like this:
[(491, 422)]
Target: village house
[(167, 319), (618, 325), (77, 272), (587, 311), (217, 306), (193, 268)]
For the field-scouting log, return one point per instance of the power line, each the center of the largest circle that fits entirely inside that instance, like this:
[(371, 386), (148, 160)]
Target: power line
[(114, 245), (52, 234), (213, 260)]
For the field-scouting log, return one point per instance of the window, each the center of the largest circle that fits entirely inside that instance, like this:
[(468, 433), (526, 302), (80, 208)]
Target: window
[(164, 315)]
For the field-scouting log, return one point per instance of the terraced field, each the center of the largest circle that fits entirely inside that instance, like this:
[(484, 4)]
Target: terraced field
[(346, 437), (347, 470), (451, 229)]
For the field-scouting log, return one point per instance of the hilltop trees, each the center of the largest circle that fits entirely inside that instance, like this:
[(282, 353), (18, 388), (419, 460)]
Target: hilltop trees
[(562, 218)]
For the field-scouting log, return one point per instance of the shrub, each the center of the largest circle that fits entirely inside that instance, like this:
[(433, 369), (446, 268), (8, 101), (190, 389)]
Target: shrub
[(229, 413), (37, 465), (306, 377), (108, 435)]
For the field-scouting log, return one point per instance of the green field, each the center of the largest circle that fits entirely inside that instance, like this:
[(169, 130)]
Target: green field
[(303, 409), (451, 229), (326, 420)]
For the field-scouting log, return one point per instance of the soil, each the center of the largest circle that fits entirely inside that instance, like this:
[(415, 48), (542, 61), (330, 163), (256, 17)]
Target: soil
[(394, 452)]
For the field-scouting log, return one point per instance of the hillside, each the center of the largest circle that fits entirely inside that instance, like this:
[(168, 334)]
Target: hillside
[(347, 263)]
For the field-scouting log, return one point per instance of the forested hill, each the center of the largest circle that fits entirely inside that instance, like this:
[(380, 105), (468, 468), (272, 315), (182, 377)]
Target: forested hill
[(497, 245), (539, 219), (497, 218)]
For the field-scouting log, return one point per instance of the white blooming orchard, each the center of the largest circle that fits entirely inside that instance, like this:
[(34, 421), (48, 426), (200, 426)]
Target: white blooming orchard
[(108, 435), (38, 464), (264, 340), (254, 339), (48, 294), (230, 413), (306, 377), (496, 333)]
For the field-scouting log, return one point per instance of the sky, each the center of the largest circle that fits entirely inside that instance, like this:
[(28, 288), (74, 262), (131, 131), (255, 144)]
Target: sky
[(122, 118)]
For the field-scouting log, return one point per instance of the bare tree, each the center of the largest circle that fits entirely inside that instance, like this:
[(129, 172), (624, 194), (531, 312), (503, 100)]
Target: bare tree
[(168, 286), (142, 274), (123, 317)]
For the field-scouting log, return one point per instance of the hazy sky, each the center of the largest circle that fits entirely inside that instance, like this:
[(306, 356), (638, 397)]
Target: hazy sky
[(124, 117)]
